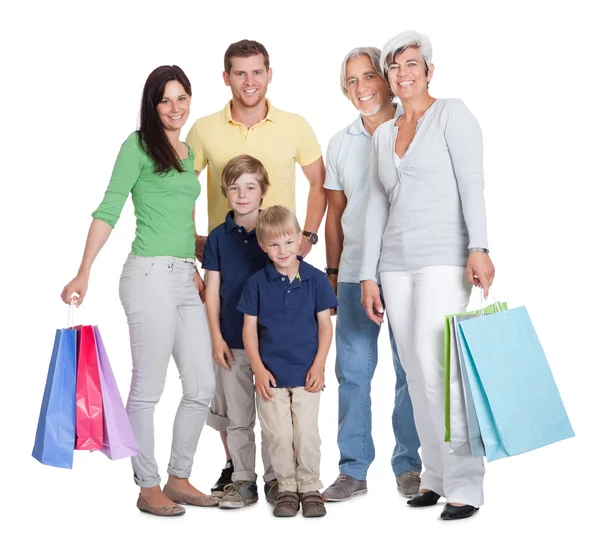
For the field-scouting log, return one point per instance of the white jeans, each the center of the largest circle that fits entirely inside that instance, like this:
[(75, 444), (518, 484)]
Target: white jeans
[(417, 302)]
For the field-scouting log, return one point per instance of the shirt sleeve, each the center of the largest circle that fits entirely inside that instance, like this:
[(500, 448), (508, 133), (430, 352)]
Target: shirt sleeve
[(308, 149), (210, 256), (194, 140), (378, 209), (325, 298), (332, 178), (250, 300), (465, 145), (126, 172)]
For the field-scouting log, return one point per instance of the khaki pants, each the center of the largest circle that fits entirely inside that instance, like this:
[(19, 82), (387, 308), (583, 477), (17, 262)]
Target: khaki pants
[(290, 424), (234, 400)]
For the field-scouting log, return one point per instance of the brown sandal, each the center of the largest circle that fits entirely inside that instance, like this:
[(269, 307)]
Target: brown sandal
[(198, 501)]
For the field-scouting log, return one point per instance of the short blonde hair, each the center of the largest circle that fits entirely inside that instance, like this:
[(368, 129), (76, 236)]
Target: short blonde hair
[(275, 222), (240, 165)]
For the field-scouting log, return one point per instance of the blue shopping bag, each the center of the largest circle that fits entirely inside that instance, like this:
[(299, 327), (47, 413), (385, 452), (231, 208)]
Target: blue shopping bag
[(55, 436), (516, 399)]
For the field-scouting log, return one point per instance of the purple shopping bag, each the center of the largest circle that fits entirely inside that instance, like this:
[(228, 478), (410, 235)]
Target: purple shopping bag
[(118, 435)]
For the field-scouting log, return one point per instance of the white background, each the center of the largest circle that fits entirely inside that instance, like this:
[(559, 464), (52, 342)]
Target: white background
[(72, 76)]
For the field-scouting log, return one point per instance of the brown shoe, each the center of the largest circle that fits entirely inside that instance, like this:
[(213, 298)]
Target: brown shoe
[(198, 501), (160, 511), (287, 504), (312, 504)]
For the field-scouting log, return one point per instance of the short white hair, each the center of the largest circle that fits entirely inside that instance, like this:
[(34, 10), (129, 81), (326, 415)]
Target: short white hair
[(402, 41), (374, 55)]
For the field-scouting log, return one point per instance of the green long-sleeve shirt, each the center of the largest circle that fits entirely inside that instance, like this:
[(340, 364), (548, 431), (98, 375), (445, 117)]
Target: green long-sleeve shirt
[(163, 203)]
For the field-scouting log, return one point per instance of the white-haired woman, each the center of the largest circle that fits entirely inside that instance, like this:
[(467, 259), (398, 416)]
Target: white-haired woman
[(426, 234)]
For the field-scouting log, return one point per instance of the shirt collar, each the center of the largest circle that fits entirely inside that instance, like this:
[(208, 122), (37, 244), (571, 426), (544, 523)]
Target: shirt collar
[(305, 271), (230, 225), (272, 113), (357, 127)]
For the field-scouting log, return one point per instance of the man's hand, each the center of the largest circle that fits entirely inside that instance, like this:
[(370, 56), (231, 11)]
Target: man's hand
[(481, 271), (333, 281), (200, 286), (222, 353), (262, 380), (315, 378), (200, 243), (371, 301), (305, 247)]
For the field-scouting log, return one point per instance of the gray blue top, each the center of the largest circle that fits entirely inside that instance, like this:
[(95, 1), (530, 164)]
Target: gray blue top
[(348, 165), (429, 210)]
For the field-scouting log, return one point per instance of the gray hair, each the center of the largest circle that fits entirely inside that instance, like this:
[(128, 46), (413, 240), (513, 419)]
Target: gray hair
[(404, 40), (374, 55)]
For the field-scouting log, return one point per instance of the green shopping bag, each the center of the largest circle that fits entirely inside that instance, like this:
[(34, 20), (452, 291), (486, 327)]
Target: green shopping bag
[(494, 308)]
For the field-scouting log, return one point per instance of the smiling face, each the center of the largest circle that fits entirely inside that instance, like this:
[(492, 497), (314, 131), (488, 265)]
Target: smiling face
[(244, 194), (283, 250), (406, 74), (174, 108), (248, 79), (367, 90)]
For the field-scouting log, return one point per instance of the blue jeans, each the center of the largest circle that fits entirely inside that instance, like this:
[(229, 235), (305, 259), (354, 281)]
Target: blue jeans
[(356, 344)]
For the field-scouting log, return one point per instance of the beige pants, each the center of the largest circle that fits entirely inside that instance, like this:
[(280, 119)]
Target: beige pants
[(290, 425), (235, 401)]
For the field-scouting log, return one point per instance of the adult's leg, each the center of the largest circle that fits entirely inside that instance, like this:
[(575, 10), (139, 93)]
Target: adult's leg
[(356, 358)]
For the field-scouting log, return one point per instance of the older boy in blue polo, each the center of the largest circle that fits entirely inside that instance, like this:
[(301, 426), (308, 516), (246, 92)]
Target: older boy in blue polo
[(231, 256), (287, 335)]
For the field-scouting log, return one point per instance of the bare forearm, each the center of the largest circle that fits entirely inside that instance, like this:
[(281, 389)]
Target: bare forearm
[(98, 233), (334, 239), (250, 337), (315, 207), (324, 338), (213, 305)]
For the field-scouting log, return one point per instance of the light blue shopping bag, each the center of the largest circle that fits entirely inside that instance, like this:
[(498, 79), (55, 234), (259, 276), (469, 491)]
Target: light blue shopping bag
[(518, 404), (55, 435)]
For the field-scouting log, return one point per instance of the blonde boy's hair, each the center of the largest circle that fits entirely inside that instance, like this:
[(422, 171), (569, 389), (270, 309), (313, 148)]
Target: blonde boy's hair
[(275, 222), (240, 165)]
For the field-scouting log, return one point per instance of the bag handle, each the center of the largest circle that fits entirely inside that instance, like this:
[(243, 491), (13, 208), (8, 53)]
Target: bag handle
[(495, 303), (71, 312)]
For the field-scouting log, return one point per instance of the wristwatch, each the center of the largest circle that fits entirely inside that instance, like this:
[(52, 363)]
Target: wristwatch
[(331, 271), (478, 250), (312, 237)]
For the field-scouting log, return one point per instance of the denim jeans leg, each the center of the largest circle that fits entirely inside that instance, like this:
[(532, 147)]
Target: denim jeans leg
[(356, 345), (406, 451)]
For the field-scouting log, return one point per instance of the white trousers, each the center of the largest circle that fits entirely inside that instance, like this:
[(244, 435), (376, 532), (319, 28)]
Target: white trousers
[(417, 302)]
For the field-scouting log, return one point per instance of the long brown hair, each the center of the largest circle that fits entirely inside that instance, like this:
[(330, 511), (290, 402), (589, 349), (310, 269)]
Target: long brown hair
[(152, 136)]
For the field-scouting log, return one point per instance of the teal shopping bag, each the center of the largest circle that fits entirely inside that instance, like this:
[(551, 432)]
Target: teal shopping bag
[(518, 404)]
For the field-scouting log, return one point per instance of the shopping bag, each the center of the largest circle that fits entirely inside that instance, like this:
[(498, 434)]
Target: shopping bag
[(466, 436), (89, 424), (118, 435), (518, 405), (454, 406), (55, 435)]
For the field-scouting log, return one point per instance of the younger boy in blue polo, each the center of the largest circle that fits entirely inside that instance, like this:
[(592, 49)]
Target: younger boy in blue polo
[(231, 256), (287, 335)]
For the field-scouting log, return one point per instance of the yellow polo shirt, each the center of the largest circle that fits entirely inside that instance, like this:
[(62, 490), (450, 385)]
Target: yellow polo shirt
[(279, 141)]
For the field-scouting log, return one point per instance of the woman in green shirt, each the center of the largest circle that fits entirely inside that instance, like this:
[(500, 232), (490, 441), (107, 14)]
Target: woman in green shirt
[(159, 286)]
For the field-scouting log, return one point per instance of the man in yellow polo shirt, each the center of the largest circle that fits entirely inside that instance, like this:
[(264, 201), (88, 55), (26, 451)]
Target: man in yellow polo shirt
[(250, 124)]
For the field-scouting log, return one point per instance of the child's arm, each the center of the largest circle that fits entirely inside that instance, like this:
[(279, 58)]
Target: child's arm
[(262, 377), (315, 378), (221, 351)]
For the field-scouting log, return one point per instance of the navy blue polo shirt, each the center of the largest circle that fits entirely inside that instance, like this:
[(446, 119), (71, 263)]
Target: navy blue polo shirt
[(287, 319), (236, 254)]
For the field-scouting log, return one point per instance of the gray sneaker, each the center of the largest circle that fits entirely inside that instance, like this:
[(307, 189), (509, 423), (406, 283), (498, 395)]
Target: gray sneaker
[(272, 491), (343, 488), (239, 494), (408, 483)]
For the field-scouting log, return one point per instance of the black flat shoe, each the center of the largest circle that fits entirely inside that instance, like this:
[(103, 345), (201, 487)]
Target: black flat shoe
[(456, 512), (424, 499)]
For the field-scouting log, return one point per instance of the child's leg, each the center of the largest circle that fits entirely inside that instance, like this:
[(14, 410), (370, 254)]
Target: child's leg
[(276, 422), (307, 443), (238, 385)]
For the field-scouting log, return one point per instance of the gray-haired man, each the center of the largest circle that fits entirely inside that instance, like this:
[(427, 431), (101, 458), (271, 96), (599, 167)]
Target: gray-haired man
[(348, 164)]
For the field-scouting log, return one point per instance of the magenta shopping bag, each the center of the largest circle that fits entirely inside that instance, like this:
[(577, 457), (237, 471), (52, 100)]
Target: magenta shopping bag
[(118, 435)]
